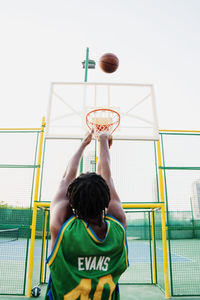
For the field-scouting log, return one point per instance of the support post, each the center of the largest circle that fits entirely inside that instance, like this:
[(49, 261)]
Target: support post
[(160, 174), (85, 80), (153, 246), (43, 247), (34, 217), (165, 260)]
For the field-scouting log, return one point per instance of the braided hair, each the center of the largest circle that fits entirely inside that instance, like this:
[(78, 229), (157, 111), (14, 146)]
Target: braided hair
[(88, 196)]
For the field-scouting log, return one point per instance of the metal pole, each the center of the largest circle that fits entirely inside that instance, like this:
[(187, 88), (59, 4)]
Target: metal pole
[(34, 217), (153, 247), (85, 80), (165, 261), (150, 249), (86, 64), (43, 247)]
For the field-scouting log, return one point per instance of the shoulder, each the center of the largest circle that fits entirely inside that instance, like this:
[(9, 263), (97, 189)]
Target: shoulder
[(118, 232), (58, 223), (115, 222), (59, 238), (115, 210), (60, 212)]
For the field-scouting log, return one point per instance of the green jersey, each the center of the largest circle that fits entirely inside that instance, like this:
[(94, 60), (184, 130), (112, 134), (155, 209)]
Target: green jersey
[(85, 267)]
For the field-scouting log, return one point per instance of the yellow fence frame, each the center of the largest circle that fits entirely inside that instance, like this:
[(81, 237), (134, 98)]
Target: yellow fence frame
[(34, 216), (160, 206), (152, 206), (43, 248)]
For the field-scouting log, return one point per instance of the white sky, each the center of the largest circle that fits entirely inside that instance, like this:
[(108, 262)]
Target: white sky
[(156, 41)]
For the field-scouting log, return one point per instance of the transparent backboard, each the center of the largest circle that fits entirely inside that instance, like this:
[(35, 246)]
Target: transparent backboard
[(70, 102)]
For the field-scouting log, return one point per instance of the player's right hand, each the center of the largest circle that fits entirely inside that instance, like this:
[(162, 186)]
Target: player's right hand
[(87, 139)]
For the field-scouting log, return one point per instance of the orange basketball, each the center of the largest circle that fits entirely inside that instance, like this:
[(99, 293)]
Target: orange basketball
[(109, 62)]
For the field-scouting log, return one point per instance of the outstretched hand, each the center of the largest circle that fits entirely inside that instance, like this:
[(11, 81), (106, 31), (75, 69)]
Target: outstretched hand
[(87, 139), (107, 136)]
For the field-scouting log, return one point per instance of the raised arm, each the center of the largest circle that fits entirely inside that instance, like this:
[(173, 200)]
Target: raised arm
[(115, 207), (60, 208)]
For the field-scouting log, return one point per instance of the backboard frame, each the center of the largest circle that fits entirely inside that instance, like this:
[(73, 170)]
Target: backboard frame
[(89, 103)]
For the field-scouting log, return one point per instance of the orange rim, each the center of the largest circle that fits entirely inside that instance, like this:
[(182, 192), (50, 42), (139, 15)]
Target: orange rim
[(91, 124)]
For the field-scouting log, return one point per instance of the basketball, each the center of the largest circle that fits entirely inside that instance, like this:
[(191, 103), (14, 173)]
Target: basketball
[(109, 62), (35, 292)]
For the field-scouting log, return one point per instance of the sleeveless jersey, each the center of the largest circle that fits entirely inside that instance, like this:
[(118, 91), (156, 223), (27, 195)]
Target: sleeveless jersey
[(84, 267)]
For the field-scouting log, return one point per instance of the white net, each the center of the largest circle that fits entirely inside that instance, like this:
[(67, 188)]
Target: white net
[(103, 120)]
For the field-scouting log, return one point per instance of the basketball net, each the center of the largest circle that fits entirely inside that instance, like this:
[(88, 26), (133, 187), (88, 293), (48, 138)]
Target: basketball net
[(102, 120)]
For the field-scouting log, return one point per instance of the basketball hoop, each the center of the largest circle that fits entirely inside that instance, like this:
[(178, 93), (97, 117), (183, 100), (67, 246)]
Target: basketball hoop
[(103, 120)]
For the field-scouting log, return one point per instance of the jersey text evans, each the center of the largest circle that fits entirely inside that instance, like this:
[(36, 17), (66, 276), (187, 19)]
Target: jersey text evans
[(93, 263)]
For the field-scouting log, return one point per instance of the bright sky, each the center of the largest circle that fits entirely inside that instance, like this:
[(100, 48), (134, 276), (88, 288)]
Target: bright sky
[(45, 40), (156, 42)]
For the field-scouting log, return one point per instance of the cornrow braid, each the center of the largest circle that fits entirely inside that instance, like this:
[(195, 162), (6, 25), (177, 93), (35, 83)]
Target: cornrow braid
[(89, 195)]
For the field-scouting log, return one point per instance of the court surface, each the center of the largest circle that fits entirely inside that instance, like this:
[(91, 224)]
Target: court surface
[(138, 258), (127, 293)]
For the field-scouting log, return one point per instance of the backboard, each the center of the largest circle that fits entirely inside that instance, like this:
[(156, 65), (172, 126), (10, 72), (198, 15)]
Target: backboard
[(70, 102)]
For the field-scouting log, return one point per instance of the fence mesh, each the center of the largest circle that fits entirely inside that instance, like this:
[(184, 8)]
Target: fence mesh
[(181, 166), (41, 246), (159, 250), (139, 248), (14, 238), (184, 245)]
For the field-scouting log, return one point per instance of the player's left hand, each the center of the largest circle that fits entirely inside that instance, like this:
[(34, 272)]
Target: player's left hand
[(107, 136)]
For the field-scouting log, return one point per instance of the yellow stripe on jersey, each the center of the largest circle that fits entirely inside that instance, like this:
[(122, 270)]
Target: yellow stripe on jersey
[(56, 246), (126, 251), (94, 237), (125, 244), (115, 220)]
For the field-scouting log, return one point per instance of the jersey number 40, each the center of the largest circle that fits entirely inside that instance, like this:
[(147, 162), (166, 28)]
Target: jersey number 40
[(83, 289)]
